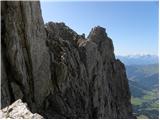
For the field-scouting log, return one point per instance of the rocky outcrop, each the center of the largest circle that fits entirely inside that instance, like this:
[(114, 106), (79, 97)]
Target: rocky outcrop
[(89, 82), (25, 58), (18, 110), (59, 73)]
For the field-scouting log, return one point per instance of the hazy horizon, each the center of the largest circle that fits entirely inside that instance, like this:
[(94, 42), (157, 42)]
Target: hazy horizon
[(133, 26)]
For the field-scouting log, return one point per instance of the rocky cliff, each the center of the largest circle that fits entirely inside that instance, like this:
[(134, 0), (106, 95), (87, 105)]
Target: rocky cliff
[(59, 73), (25, 59)]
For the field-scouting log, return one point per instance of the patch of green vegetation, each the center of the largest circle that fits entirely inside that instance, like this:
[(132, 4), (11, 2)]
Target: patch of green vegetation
[(153, 68), (155, 105), (148, 97), (142, 117), (146, 106), (136, 101)]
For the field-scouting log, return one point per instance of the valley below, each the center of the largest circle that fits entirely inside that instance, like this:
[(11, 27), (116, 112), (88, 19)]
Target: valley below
[(144, 86)]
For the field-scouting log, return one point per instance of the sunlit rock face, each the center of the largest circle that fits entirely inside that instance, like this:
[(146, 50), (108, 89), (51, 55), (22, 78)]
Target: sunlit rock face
[(18, 110), (59, 73)]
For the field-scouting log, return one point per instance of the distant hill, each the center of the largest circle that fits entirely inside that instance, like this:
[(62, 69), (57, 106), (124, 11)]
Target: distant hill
[(145, 76), (144, 87), (138, 59)]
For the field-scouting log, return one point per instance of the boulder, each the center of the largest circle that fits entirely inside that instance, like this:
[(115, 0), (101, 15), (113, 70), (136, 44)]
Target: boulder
[(18, 110)]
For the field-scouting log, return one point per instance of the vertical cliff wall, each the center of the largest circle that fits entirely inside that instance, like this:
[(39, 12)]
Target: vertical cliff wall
[(59, 73), (25, 59)]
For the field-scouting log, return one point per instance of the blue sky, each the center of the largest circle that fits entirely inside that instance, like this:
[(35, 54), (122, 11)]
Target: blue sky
[(133, 26)]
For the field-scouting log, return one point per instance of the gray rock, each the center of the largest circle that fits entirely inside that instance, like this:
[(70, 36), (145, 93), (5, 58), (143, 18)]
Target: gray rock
[(71, 77), (25, 51), (18, 110), (93, 84), (5, 94)]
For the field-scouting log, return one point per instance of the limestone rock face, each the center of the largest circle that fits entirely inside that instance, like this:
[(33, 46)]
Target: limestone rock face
[(18, 110), (59, 73), (89, 82), (25, 61)]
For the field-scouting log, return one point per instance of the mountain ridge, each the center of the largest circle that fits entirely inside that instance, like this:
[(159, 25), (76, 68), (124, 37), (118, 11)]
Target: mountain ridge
[(57, 72), (139, 59)]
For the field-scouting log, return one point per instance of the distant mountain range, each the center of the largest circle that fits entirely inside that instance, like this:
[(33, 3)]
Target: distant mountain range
[(138, 59)]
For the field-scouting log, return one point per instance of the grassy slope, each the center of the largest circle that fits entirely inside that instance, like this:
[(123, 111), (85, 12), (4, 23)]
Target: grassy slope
[(145, 98), (148, 105)]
